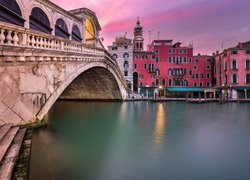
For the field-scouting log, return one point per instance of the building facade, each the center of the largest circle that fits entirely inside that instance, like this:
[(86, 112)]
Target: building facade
[(203, 71), (122, 51), (232, 71), (165, 65)]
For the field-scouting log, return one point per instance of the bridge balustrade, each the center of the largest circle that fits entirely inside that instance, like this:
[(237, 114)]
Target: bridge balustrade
[(16, 36)]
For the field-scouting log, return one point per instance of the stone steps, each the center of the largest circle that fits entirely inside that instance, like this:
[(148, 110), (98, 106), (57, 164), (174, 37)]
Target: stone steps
[(10, 144)]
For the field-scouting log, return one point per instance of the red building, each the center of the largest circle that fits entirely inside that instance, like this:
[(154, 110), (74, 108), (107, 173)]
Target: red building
[(203, 71), (167, 65), (232, 71)]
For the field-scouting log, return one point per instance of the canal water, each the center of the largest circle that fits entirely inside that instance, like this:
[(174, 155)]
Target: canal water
[(143, 141)]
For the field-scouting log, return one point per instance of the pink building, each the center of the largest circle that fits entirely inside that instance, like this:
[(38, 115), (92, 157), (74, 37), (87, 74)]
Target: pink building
[(203, 70), (168, 66), (232, 71)]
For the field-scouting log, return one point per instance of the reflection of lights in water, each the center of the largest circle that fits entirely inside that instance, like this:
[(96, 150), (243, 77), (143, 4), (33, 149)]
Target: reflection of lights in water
[(123, 113), (159, 130)]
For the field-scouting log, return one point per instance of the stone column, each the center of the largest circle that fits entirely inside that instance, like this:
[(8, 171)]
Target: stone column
[(245, 93)]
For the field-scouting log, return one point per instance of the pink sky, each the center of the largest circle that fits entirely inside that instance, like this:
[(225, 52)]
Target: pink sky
[(210, 24)]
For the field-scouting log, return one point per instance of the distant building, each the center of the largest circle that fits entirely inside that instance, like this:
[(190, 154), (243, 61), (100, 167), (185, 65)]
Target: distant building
[(232, 71), (122, 52)]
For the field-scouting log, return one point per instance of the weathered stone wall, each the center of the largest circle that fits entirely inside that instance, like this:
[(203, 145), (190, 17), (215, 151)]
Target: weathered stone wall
[(29, 89)]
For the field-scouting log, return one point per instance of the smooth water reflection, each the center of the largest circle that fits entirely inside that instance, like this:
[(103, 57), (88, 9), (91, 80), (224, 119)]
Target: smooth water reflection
[(143, 140)]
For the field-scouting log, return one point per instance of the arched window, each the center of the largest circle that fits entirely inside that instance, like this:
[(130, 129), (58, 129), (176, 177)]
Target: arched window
[(247, 78), (39, 21), (163, 82), (10, 12), (125, 55), (76, 34), (156, 82), (181, 83), (185, 82), (114, 56), (61, 29), (157, 72), (178, 82), (234, 78), (90, 33), (247, 64), (234, 64), (169, 72), (125, 64)]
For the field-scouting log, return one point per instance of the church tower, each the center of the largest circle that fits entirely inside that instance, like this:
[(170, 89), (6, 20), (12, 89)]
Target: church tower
[(138, 39)]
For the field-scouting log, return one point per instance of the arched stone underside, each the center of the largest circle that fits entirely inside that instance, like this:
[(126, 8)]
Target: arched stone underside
[(111, 71), (94, 84)]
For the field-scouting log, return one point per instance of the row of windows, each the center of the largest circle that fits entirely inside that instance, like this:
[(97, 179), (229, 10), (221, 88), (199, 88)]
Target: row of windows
[(142, 57), (178, 60), (174, 82), (201, 84), (125, 55), (177, 82), (181, 51), (234, 79), (234, 52), (234, 65), (201, 76), (115, 47), (149, 67), (207, 60)]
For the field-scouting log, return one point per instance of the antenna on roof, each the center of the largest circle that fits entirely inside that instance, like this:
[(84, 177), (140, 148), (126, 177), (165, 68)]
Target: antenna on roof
[(125, 34), (149, 36), (158, 35)]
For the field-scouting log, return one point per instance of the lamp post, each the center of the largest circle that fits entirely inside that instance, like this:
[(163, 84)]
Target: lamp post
[(159, 89)]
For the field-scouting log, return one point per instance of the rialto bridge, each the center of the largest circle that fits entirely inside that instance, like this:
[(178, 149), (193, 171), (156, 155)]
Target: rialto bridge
[(47, 53)]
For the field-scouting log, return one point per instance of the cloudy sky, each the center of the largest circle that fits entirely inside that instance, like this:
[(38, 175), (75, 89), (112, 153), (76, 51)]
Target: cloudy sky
[(209, 24)]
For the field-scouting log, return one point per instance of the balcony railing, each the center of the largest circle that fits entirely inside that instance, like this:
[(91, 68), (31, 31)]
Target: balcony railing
[(16, 36), (151, 70)]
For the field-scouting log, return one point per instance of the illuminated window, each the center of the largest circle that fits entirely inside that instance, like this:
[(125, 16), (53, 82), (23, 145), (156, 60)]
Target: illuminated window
[(89, 32)]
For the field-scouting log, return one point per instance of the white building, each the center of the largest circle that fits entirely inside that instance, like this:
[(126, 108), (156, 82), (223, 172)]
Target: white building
[(122, 52)]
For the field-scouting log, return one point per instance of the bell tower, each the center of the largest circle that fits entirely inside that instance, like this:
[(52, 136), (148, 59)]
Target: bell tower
[(138, 39)]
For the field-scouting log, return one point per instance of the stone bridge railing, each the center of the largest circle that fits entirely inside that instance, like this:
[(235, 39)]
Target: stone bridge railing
[(17, 36)]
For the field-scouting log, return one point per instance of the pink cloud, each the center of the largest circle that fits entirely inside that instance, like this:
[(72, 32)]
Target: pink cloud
[(207, 23)]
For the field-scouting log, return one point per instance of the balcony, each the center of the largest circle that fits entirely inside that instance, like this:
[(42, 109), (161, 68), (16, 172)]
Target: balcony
[(151, 70)]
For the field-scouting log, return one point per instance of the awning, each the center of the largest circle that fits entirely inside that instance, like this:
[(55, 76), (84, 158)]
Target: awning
[(242, 88), (188, 89)]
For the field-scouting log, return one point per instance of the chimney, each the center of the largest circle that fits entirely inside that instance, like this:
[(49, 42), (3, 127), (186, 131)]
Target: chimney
[(240, 45)]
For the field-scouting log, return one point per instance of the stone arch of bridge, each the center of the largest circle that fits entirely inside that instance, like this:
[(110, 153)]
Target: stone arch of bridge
[(108, 76)]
